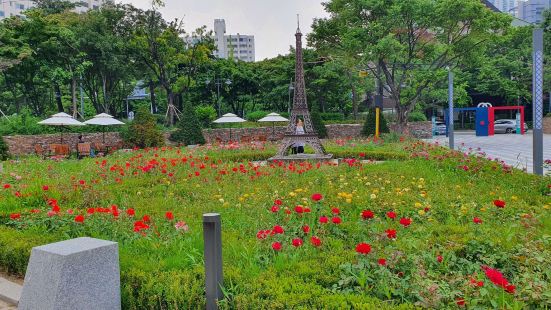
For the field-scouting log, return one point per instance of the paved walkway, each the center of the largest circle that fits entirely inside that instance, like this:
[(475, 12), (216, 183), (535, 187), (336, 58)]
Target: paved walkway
[(515, 150)]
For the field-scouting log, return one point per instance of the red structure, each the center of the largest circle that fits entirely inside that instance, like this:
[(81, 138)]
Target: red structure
[(491, 117)]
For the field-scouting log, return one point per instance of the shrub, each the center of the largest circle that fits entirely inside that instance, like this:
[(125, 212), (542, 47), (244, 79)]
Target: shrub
[(206, 115), (143, 131), (256, 115), (370, 122), (4, 151), (416, 116), (189, 129), (331, 116), (318, 124)]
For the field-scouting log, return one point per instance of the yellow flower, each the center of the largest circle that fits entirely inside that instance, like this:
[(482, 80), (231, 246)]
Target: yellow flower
[(421, 212), (418, 205), (373, 196), (515, 198), (348, 200), (546, 207), (292, 194), (483, 209)]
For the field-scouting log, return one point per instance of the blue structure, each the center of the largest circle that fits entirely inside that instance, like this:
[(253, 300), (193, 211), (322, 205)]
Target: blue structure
[(482, 120)]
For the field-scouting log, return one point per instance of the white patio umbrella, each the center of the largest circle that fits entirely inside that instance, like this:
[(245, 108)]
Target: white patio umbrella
[(228, 119), (103, 120), (61, 120), (273, 118)]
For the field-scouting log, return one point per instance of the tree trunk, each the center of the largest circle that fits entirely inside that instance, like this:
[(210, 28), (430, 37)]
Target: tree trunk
[(354, 97), (152, 96), (170, 108), (58, 97)]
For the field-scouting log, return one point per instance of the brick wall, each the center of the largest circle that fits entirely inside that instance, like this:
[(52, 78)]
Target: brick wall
[(547, 125), (19, 145)]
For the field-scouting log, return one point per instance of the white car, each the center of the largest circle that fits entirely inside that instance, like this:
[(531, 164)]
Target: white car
[(507, 126)]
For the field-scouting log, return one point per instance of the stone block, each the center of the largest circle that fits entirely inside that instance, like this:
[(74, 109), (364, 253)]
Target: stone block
[(80, 273)]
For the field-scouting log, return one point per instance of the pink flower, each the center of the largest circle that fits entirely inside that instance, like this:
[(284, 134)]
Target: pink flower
[(181, 225)]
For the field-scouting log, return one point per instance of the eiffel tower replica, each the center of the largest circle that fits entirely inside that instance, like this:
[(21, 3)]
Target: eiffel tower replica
[(300, 111)]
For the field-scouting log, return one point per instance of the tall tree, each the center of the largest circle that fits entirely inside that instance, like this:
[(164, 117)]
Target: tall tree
[(406, 43)]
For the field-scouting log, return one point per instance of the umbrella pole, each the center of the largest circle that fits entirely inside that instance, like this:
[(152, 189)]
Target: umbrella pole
[(103, 135)]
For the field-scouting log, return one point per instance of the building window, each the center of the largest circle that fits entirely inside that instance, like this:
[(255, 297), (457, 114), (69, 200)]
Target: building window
[(19, 6), (95, 7), (2, 14)]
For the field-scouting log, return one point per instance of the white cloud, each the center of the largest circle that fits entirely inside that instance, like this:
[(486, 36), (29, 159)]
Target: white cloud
[(272, 22)]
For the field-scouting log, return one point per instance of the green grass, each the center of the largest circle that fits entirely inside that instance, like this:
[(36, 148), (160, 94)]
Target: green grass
[(163, 268)]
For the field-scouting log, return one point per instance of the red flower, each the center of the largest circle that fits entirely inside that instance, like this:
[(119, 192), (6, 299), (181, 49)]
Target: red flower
[(391, 233), (382, 261), (439, 258), (169, 216), (499, 203), (405, 221), (278, 202), (477, 220), (45, 187), (278, 229), (299, 209), (336, 220), (460, 301), (335, 211), (276, 246), (275, 209), (315, 241), (55, 208), (79, 218), (90, 211), (367, 214), (18, 194), (498, 279), (297, 242), (82, 182), (130, 212), (146, 218), (263, 234), (306, 229), (15, 216), (391, 215), (140, 225), (363, 248), (6, 186), (324, 220), (317, 197)]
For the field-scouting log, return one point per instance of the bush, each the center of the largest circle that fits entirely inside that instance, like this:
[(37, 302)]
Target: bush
[(143, 131), (256, 115), (189, 129), (318, 124), (331, 116), (4, 151), (416, 116), (370, 122), (206, 115)]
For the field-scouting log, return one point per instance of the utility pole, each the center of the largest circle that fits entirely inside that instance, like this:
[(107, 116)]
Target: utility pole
[(450, 107), (537, 104)]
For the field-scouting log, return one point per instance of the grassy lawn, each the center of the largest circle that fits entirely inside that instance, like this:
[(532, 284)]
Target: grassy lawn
[(466, 230)]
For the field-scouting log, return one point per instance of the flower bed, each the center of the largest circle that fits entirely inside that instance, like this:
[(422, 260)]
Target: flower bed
[(433, 229)]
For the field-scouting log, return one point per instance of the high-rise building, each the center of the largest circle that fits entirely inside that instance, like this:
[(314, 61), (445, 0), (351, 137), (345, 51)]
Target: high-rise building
[(531, 10), (506, 6), (236, 46), (9, 8)]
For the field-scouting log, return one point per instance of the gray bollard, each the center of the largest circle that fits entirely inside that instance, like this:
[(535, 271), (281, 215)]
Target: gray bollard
[(212, 235), (80, 273)]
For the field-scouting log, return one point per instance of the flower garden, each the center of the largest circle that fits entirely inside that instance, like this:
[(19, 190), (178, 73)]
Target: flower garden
[(425, 227)]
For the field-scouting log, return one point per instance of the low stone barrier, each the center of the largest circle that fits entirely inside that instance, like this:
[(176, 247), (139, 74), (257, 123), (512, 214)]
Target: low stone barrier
[(21, 145), (80, 273), (547, 125)]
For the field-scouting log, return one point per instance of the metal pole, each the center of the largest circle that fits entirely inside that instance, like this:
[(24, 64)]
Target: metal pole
[(218, 97), (377, 115), (537, 105), (212, 235), (450, 112), (81, 98)]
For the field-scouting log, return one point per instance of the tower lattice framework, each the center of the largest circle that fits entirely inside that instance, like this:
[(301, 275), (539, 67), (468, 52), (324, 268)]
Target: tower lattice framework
[(300, 111)]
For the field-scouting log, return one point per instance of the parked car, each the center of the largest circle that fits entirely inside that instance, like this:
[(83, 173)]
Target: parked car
[(441, 129), (507, 126)]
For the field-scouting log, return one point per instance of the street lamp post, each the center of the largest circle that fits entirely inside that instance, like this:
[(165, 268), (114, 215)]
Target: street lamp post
[(218, 82), (537, 97), (450, 107)]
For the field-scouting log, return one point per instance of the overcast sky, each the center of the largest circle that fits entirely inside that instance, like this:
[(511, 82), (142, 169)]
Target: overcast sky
[(272, 22)]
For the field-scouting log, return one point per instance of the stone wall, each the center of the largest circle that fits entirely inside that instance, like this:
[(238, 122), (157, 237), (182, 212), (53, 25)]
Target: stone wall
[(547, 125), (19, 145)]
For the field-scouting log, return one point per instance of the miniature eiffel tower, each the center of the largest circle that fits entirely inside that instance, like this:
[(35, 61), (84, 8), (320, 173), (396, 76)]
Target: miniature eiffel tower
[(300, 111)]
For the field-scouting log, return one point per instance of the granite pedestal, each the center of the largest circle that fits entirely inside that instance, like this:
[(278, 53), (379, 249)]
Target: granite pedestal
[(80, 273)]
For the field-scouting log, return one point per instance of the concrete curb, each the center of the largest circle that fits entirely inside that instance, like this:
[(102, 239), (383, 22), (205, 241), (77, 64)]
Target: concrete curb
[(10, 292)]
